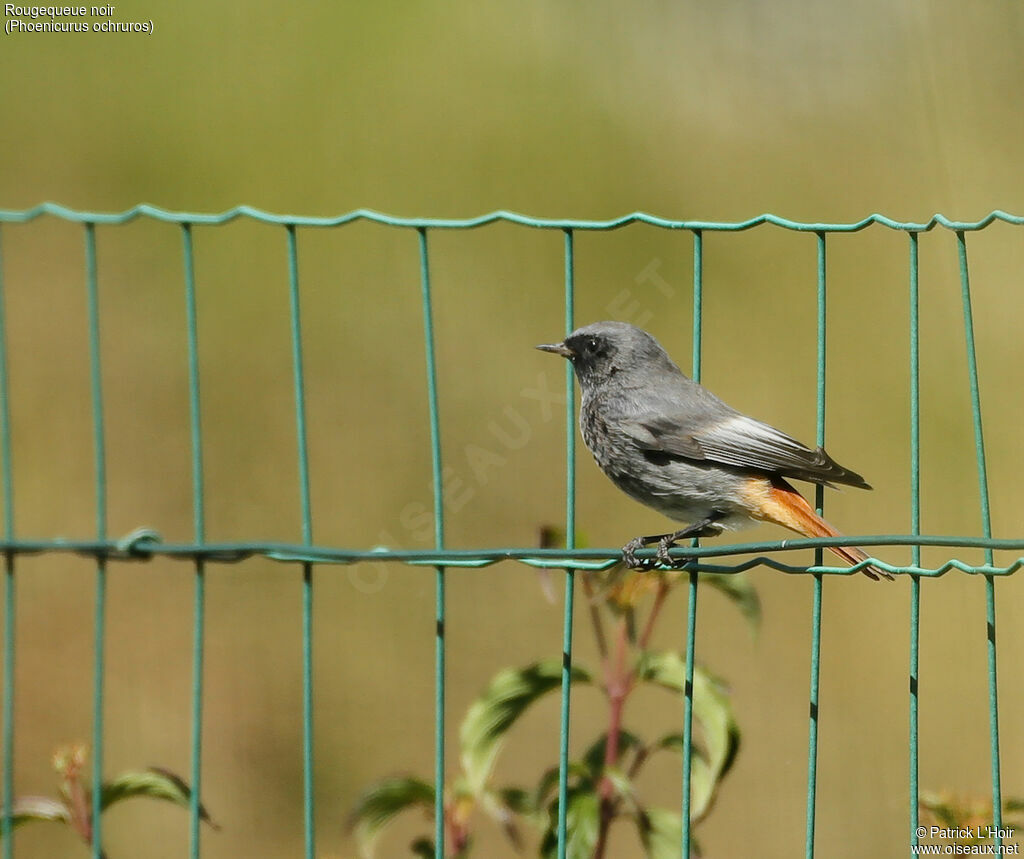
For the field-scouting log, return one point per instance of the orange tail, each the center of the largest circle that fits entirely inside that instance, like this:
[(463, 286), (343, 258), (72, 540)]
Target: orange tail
[(782, 504)]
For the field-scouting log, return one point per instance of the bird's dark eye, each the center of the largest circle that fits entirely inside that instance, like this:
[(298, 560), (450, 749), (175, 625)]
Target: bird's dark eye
[(592, 344)]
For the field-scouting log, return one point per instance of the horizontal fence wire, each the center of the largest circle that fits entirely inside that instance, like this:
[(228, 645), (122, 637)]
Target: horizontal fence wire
[(144, 544), (158, 214), (130, 548)]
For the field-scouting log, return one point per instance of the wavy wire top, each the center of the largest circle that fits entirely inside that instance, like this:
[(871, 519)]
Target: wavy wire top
[(144, 210)]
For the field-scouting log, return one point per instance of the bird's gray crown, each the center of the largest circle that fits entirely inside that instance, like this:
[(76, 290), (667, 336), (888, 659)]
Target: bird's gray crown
[(605, 349)]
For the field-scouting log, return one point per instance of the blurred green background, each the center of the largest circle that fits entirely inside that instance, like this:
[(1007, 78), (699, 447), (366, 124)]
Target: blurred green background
[(822, 112)]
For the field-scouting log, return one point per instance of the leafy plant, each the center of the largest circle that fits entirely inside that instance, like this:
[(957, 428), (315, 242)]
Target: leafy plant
[(969, 817), (74, 805), (602, 783)]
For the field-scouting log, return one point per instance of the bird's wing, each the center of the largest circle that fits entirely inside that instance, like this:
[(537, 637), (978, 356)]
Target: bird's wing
[(734, 439)]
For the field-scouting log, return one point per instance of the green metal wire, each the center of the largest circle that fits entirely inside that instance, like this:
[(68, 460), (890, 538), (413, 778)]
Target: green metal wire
[(986, 525), (691, 603), (439, 577), (972, 370), (307, 538), (570, 543), (7, 827), (819, 501), (915, 528), (915, 401), (199, 529), (698, 303), (156, 213), (143, 544), (10, 615), (99, 443)]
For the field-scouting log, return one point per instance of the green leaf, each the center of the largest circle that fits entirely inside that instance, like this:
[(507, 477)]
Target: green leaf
[(548, 782), (712, 711), (517, 799), (703, 780), (422, 847), (593, 758), (629, 616), (382, 801), (155, 783), (584, 776), (496, 710), (28, 809), (661, 833), (739, 590), (554, 537), (582, 825)]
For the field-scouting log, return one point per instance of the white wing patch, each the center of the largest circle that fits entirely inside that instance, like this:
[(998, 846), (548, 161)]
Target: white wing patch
[(739, 439)]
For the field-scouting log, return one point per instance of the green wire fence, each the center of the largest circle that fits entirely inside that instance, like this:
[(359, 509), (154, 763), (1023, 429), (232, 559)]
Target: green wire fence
[(144, 544)]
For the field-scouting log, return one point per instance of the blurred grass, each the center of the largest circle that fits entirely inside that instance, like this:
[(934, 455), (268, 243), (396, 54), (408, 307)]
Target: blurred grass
[(823, 112)]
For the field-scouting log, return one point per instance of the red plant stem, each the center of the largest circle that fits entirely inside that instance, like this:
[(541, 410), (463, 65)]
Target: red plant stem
[(78, 801), (659, 599), (619, 684), (618, 689), (595, 619), (457, 834)]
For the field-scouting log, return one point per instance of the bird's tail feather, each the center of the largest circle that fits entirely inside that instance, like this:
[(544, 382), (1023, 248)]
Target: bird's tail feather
[(783, 505)]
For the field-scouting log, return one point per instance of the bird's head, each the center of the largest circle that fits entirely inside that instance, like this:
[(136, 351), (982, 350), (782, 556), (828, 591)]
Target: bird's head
[(603, 350)]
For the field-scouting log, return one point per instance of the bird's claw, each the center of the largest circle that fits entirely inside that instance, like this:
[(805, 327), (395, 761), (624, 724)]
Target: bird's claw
[(664, 544), (661, 559), (630, 559)]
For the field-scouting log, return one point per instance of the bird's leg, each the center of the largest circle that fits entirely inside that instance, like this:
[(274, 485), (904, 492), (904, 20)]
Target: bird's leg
[(707, 527), (629, 550)]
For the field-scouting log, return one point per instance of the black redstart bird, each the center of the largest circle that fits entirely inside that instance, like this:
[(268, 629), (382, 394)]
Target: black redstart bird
[(671, 444)]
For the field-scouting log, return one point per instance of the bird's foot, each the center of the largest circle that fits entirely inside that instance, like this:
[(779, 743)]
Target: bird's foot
[(664, 558), (630, 559), (707, 527)]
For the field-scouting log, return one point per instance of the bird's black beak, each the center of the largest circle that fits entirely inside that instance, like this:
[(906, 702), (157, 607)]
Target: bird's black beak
[(558, 349)]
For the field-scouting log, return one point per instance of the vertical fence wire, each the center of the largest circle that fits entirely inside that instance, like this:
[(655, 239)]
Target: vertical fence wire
[(986, 524), (307, 539), (199, 527), (439, 572), (915, 529), (691, 604), (6, 824), (819, 500), (570, 543), (100, 456)]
